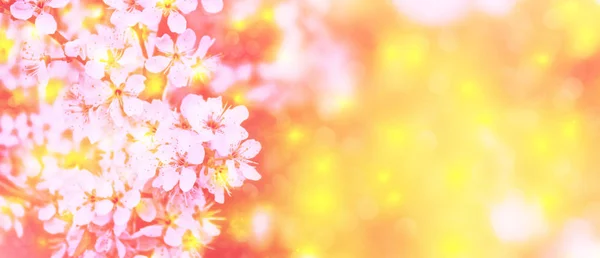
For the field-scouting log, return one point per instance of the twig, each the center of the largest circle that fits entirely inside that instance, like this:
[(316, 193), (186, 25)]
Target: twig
[(141, 41)]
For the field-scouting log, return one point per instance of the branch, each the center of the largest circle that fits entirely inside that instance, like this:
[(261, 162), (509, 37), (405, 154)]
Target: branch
[(141, 41)]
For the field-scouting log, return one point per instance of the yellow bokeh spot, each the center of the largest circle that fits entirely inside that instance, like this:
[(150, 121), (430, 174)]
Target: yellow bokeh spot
[(469, 89), (267, 14), (6, 46), (570, 130), (74, 159), (457, 175), (17, 98), (541, 144), (542, 59), (155, 85), (393, 198), (239, 25), (238, 98), (453, 246), (52, 89), (96, 12), (295, 135), (384, 176), (319, 201), (395, 135)]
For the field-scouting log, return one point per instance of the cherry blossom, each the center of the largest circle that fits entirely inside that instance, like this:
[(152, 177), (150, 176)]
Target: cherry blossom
[(173, 10), (179, 160), (178, 57), (44, 21)]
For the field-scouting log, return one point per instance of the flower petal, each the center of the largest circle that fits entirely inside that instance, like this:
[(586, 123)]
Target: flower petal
[(250, 148), (121, 215), (55, 226), (157, 64), (195, 154), (179, 75), (116, 114), (103, 207), (165, 44), (131, 198), (212, 6), (173, 237), (94, 69), (45, 23), (205, 43), (135, 84), (169, 178), (146, 210), (235, 115), (151, 17), (46, 212), (186, 6), (22, 10), (57, 3), (249, 172), (132, 106), (83, 216), (176, 22), (18, 228), (186, 40), (187, 179)]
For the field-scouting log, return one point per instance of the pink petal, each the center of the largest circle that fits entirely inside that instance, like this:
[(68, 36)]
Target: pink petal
[(83, 216), (212, 6), (173, 237), (131, 198), (116, 4), (118, 76), (103, 207), (210, 228), (57, 3), (103, 243), (219, 194), (169, 178), (21, 10), (121, 216), (121, 251), (157, 64), (46, 212), (235, 115), (165, 44), (195, 154), (179, 75), (132, 106), (61, 252), (45, 23), (18, 228), (186, 6), (250, 148), (151, 17), (94, 69), (55, 226), (186, 40), (116, 114), (104, 188), (176, 22), (249, 172), (205, 43), (149, 231), (187, 179), (135, 84), (122, 18), (145, 210)]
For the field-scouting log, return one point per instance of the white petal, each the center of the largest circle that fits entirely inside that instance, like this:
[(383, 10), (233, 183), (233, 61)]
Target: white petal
[(173, 237), (121, 251), (157, 64), (103, 207), (135, 84), (118, 76), (122, 18), (132, 106), (186, 6), (103, 243), (116, 4), (235, 115), (205, 43), (169, 178), (195, 154), (83, 216), (55, 226), (250, 148), (61, 252), (186, 41), (187, 179), (57, 3), (176, 22), (116, 114), (94, 69), (47, 212), (151, 17), (103, 188), (121, 216), (21, 10), (131, 199), (220, 195), (165, 44), (146, 210), (45, 23), (210, 228), (18, 228), (179, 75), (212, 6), (249, 172)]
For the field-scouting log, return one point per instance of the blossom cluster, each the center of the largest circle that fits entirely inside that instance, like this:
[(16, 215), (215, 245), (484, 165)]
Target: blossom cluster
[(109, 172)]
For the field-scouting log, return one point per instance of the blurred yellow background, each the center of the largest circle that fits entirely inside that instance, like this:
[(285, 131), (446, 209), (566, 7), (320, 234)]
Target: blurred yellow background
[(470, 131)]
